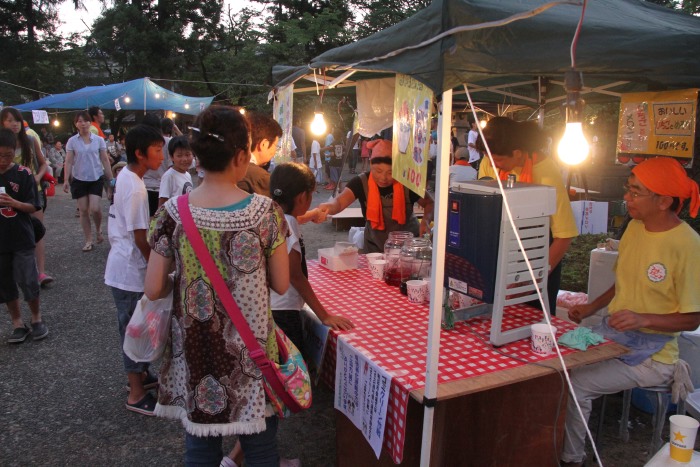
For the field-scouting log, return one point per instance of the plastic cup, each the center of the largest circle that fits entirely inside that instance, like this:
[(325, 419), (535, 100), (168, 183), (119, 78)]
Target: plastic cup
[(344, 248), (417, 291), (376, 267), (541, 340), (683, 432)]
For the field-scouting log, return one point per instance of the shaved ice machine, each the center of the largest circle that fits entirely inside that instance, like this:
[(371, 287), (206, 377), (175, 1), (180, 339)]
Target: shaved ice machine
[(483, 259)]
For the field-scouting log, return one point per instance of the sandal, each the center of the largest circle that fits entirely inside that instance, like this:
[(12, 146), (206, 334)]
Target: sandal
[(88, 246), (149, 382), (145, 406)]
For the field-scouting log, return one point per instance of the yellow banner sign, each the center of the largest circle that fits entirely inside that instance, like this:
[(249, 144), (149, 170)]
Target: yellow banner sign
[(657, 124), (412, 105)]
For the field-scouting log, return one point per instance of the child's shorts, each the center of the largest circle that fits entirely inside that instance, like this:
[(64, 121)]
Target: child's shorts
[(18, 268)]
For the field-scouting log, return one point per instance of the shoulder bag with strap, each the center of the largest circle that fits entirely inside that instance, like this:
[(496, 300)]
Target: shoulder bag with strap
[(287, 384)]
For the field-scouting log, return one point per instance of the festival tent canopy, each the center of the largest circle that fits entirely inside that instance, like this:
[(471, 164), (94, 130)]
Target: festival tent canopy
[(139, 94), (510, 51), (624, 46)]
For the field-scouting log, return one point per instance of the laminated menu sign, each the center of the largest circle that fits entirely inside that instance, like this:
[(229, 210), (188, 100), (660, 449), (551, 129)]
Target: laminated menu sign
[(657, 124), (413, 103), (362, 393)]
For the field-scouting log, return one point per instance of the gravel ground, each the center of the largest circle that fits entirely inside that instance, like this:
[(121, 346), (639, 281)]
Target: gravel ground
[(63, 398)]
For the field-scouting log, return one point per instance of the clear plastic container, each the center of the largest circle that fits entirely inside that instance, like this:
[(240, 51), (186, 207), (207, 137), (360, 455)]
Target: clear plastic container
[(415, 261), (392, 254)]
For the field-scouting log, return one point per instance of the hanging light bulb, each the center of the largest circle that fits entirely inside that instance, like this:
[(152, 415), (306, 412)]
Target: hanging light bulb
[(187, 104), (482, 123), (127, 99), (318, 125), (56, 123), (573, 147), (157, 95), (242, 110), (173, 114)]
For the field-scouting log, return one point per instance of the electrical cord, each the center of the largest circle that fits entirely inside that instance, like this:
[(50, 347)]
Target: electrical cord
[(542, 365), (509, 214)]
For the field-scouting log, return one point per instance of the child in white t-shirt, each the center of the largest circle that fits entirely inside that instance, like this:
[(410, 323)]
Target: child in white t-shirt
[(315, 163), (128, 256), (177, 180)]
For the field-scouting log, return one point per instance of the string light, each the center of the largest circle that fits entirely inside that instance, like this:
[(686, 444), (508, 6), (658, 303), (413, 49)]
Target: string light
[(318, 125), (573, 147)]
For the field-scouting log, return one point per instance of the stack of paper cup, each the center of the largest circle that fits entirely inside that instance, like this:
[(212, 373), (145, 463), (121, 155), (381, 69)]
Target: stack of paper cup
[(417, 291), (683, 432), (376, 267), (541, 341)]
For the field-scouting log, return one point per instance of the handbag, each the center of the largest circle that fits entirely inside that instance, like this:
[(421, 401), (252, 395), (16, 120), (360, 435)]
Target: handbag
[(287, 383), (148, 330)]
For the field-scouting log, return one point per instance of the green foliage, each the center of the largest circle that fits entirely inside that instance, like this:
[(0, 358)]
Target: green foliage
[(574, 275)]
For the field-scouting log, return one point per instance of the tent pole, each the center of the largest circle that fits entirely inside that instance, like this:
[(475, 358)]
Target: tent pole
[(437, 273), (542, 100)]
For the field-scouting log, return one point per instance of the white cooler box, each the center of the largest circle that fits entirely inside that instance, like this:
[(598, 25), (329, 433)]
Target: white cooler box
[(600, 278)]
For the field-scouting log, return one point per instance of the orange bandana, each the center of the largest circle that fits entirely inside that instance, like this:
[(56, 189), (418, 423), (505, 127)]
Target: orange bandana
[(525, 173), (665, 176), (374, 204)]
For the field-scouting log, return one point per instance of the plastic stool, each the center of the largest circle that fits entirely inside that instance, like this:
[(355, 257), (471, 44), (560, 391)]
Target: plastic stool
[(692, 404), (658, 420)]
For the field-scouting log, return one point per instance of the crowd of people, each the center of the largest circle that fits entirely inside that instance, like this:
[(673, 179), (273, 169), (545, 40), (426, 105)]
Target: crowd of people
[(249, 215)]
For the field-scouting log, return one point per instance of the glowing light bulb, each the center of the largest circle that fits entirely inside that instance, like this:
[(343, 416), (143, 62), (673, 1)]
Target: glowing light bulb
[(56, 123), (318, 125), (173, 115), (242, 111), (127, 99), (187, 105), (573, 147), (483, 123), (157, 95)]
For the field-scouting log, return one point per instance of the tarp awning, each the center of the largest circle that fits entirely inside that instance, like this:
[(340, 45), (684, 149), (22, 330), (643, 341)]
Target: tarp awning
[(138, 94)]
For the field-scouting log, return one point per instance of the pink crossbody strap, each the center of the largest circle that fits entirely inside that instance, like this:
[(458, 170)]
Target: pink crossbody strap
[(257, 354)]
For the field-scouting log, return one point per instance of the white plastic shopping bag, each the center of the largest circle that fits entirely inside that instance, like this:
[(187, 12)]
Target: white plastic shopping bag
[(149, 329)]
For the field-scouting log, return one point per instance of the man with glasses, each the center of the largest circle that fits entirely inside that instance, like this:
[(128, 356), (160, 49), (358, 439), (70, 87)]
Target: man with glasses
[(654, 298)]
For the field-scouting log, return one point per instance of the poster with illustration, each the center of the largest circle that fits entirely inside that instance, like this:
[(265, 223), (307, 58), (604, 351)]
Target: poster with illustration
[(282, 112), (413, 103), (657, 124)]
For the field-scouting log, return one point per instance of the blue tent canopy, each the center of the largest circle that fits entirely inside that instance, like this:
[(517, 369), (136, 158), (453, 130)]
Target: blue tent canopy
[(139, 94)]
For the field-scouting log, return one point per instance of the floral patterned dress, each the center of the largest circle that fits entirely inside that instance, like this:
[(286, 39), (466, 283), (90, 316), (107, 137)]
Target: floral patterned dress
[(207, 378)]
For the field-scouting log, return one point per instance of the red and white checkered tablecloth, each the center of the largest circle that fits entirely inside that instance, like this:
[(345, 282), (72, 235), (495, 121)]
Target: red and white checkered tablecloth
[(393, 333)]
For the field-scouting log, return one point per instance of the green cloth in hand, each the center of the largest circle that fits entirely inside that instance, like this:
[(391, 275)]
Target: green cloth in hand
[(580, 338)]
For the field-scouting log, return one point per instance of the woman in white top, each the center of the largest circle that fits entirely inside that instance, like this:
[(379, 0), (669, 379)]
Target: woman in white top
[(85, 170)]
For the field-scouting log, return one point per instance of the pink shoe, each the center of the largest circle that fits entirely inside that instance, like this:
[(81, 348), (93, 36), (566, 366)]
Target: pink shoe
[(45, 279)]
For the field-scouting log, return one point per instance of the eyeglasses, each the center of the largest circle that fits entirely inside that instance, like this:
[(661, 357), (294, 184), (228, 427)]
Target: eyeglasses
[(635, 194)]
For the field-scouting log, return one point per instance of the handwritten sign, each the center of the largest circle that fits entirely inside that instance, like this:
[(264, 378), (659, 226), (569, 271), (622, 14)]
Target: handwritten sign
[(362, 393), (412, 105), (658, 124)]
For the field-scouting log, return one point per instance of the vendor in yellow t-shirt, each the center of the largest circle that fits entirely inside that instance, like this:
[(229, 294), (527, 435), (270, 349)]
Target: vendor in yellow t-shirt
[(655, 296), (516, 149)]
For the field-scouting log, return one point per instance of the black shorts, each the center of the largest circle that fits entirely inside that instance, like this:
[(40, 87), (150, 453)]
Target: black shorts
[(80, 189)]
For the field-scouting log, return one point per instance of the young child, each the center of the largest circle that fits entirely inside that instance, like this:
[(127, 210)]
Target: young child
[(128, 257), (315, 163), (292, 187), (177, 180), (18, 199), (208, 379)]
